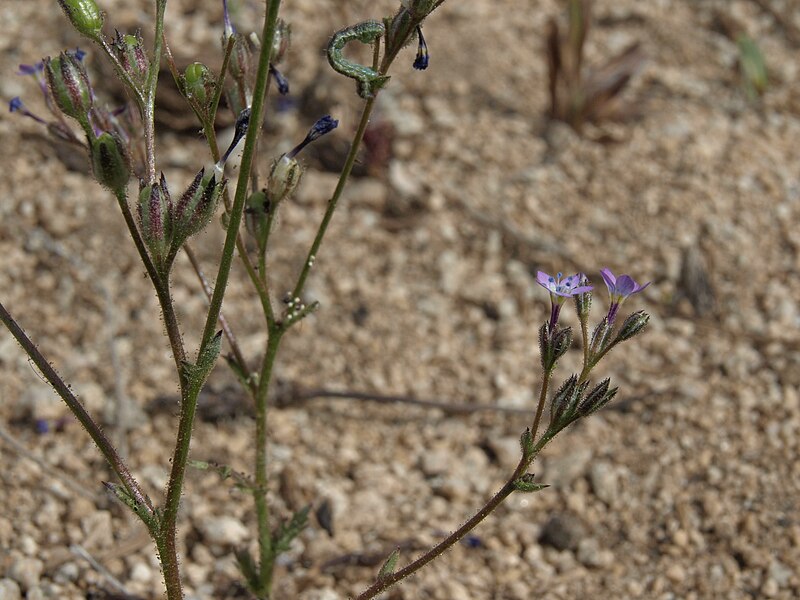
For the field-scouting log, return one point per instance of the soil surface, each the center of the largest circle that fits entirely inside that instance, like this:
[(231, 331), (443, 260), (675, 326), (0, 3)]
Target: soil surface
[(686, 486)]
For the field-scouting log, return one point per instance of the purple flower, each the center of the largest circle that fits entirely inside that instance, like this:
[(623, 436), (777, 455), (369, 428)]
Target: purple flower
[(619, 288), (228, 29), (423, 58), (16, 105), (323, 125), (561, 289), (31, 69)]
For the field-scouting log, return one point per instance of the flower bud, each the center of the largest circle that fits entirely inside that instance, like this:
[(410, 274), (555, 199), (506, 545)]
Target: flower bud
[(281, 41), (155, 217), (634, 324), (130, 52), (255, 216), (562, 405), (242, 57), (597, 398), (283, 178), (600, 338), (110, 162), (70, 87), (196, 206), (84, 16), (198, 83), (583, 301), (553, 344)]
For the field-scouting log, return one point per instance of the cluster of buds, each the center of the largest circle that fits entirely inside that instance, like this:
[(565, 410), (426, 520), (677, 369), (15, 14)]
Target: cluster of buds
[(284, 178), (166, 225), (572, 401), (67, 92)]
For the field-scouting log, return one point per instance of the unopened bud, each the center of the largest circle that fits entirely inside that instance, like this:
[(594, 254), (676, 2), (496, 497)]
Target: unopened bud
[(281, 41), (196, 206), (600, 338), (255, 216), (565, 402), (198, 81), (241, 58), (634, 324), (597, 398), (130, 52), (583, 302), (70, 87), (553, 344), (283, 178), (84, 16), (110, 162), (155, 217)]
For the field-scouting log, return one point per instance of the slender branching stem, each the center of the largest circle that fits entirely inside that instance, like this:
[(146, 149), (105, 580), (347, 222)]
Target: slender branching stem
[(227, 330), (62, 389), (266, 556), (160, 283), (167, 543), (235, 215), (546, 376), (326, 219), (148, 114), (508, 488)]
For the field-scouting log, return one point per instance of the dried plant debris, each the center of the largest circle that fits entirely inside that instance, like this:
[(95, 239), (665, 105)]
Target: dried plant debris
[(580, 94)]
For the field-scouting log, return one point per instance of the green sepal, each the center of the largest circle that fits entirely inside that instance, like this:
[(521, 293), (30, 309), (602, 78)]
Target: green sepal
[(389, 565), (110, 162), (85, 17), (527, 484), (527, 443)]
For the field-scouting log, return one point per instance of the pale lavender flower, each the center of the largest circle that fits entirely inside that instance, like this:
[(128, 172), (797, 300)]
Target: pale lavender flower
[(560, 289), (619, 288)]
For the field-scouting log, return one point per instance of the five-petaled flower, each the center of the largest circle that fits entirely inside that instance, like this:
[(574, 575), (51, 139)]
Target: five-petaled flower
[(561, 289), (619, 288)]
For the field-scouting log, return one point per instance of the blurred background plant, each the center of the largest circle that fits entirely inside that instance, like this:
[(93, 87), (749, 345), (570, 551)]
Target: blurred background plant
[(582, 93)]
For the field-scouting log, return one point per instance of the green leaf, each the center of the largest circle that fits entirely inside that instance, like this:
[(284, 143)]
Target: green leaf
[(290, 529), (527, 484), (389, 564)]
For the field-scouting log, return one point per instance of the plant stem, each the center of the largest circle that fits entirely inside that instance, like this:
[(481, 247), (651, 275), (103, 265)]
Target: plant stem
[(223, 322), (161, 284), (167, 541), (85, 419), (148, 113), (326, 219), (251, 139), (260, 491), (382, 584), (542, 398)]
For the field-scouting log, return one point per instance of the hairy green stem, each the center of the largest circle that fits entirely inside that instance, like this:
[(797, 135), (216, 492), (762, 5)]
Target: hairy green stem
[(248, 154), (167, 546), (266, 556), (547, 375), (93, 429), (160, 282)]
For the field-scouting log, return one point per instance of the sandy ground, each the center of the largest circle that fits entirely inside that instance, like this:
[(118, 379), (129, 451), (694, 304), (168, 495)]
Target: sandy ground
[(686, 487)]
